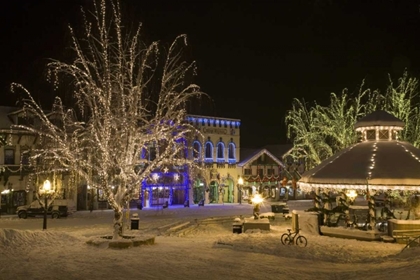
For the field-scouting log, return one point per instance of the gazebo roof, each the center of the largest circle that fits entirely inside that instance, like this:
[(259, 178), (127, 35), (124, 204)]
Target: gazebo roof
[(392, 165), (379, 118)]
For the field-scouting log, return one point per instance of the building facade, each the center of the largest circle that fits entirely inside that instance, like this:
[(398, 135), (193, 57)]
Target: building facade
[(215, 149), (18, 184), (14, 161), (219, 152)]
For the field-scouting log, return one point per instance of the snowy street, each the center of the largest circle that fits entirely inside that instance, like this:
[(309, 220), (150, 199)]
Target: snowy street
[(205, 251)]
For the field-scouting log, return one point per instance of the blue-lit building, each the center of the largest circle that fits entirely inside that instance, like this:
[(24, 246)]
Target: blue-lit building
[(217, 150)]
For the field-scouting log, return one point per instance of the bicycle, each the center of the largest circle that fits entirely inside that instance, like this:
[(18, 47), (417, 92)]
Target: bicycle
[(290, 238)]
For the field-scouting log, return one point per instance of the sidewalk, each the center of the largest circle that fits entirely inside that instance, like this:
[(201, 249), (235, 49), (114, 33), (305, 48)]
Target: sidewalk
[(8, 216)]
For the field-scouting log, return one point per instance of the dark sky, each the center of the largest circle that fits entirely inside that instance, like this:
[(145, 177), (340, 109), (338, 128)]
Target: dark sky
[(253, 57)]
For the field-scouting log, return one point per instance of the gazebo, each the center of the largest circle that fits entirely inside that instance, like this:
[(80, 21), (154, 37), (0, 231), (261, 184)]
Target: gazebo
[(379, 163)]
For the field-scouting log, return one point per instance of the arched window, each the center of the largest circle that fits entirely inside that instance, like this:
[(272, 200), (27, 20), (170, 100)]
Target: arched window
[(152, 153), (209, 152), (196, 150), (148, 153), (220, 152), (231, 153), (181, 144)]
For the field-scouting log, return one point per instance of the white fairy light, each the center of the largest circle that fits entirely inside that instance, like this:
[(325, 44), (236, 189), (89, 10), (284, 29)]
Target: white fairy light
[(120, 114)]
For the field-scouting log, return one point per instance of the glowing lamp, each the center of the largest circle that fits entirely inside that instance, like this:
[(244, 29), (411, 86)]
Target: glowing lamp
[(257, 199), (47, 186), (351, 194)]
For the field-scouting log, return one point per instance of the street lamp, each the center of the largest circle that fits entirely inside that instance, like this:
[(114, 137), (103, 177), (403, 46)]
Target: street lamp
[(46, 191), (351, 194), (257, 199), (240, 183)]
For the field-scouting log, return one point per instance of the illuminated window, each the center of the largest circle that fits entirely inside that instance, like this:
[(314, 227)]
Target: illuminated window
[(209, 152), (231, 153), (220, 152), (196, 150)]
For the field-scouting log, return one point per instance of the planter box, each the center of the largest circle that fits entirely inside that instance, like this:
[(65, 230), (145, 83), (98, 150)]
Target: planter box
[(402, 230), (262, 224), (350, 233)]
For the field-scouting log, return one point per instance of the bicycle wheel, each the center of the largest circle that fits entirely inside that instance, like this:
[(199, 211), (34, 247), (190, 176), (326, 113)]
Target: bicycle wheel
[(301, 241), (285, 239)]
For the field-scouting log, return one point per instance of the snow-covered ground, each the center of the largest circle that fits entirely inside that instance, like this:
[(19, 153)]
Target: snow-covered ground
[(207, 250)]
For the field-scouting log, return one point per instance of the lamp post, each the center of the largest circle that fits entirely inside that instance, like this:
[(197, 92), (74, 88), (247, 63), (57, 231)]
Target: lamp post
[(46, 191), (240, 183)]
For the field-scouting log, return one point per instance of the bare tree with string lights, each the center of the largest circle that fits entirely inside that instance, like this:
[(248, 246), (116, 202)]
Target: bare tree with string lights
[(130, 99)]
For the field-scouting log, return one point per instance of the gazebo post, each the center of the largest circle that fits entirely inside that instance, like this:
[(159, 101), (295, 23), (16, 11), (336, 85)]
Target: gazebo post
[(371, 203), (317, 199)]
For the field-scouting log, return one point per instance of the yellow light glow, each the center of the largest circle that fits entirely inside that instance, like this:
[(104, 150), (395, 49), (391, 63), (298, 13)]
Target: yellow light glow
[(257, 199), (47, 186), (351, 194), (240, 181)]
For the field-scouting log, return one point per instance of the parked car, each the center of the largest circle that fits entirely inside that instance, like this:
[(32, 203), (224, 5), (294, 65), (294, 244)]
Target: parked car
[(35, 209)]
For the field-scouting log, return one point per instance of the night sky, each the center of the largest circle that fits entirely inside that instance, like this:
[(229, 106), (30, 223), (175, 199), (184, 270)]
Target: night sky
[(253, 57)]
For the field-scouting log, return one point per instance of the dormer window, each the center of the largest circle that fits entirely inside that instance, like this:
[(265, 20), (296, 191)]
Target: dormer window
[(9, 156), (24, 120)]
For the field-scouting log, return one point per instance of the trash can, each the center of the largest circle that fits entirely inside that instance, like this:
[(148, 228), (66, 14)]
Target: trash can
[(237, 227), (135, 221), (276, 208)]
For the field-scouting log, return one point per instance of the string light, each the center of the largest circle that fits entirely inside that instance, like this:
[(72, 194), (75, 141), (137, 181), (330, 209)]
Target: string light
[(308, 187)]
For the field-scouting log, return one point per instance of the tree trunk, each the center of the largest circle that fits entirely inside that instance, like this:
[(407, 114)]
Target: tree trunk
[(118, 223)]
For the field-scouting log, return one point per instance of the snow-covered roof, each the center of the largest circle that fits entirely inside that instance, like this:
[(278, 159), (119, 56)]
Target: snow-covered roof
[(279, 151), (379, 118), (249, 155), (389, 164)]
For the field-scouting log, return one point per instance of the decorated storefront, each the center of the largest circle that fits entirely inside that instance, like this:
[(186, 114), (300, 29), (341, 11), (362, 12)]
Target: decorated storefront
[(169, 186), (268, 186)]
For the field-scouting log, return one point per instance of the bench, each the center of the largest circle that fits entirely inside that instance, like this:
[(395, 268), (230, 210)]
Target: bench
[(404, 235)]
